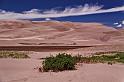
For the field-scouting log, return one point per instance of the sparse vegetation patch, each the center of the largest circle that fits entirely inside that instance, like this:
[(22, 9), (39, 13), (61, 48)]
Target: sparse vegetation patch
[(59, 63), (103, 58), (63, 61), (13, 54)]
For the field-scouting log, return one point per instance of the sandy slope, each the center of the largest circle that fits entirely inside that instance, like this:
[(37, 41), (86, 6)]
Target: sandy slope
[(55, 33), (67, 33)]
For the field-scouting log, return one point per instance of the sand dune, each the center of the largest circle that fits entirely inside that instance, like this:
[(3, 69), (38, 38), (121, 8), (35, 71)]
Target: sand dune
[(52, 31), (42, 39)]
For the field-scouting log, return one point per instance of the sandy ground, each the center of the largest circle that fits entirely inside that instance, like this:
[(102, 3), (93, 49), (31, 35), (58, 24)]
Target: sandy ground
[(94, 37), (22, 70)]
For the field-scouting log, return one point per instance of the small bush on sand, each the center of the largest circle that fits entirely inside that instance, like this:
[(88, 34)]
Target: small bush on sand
[(13, 54), (119, 57), (59, 63), (63, 61)]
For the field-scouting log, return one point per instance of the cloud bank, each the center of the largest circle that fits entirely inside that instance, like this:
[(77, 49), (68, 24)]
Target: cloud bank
[(119, 24), (53, 13)]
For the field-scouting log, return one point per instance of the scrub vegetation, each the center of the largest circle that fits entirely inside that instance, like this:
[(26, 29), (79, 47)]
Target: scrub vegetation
[(13, 54), (63, 61)]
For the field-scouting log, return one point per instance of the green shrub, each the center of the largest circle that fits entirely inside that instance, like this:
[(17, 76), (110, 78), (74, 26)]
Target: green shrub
[(78, 58), (59, 63), (120, 57), (63, 61), (13, 54)]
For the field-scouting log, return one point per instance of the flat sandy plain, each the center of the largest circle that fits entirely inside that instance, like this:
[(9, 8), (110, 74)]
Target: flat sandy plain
[(41, 39)]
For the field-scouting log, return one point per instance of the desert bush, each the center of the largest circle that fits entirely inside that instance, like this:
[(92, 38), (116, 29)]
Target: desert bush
[(60, 62), (111, 57), (63, 61), (120, 57), (13, 54), (78, 58)]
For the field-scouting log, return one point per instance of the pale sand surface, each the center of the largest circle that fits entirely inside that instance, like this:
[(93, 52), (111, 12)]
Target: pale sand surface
[(22, 70)]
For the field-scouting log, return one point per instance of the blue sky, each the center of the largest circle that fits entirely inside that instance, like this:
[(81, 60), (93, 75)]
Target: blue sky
[(110, 12), (24, 5)]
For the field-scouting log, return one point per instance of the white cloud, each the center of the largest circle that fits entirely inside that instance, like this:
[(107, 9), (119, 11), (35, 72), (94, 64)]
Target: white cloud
[(120, 25), (35, 11), (116, 23), (80, 10), (47, 19), (123, 22)]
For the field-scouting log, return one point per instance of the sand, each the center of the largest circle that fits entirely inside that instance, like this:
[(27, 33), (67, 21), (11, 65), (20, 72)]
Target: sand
[(42, 39), (22, 70)]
